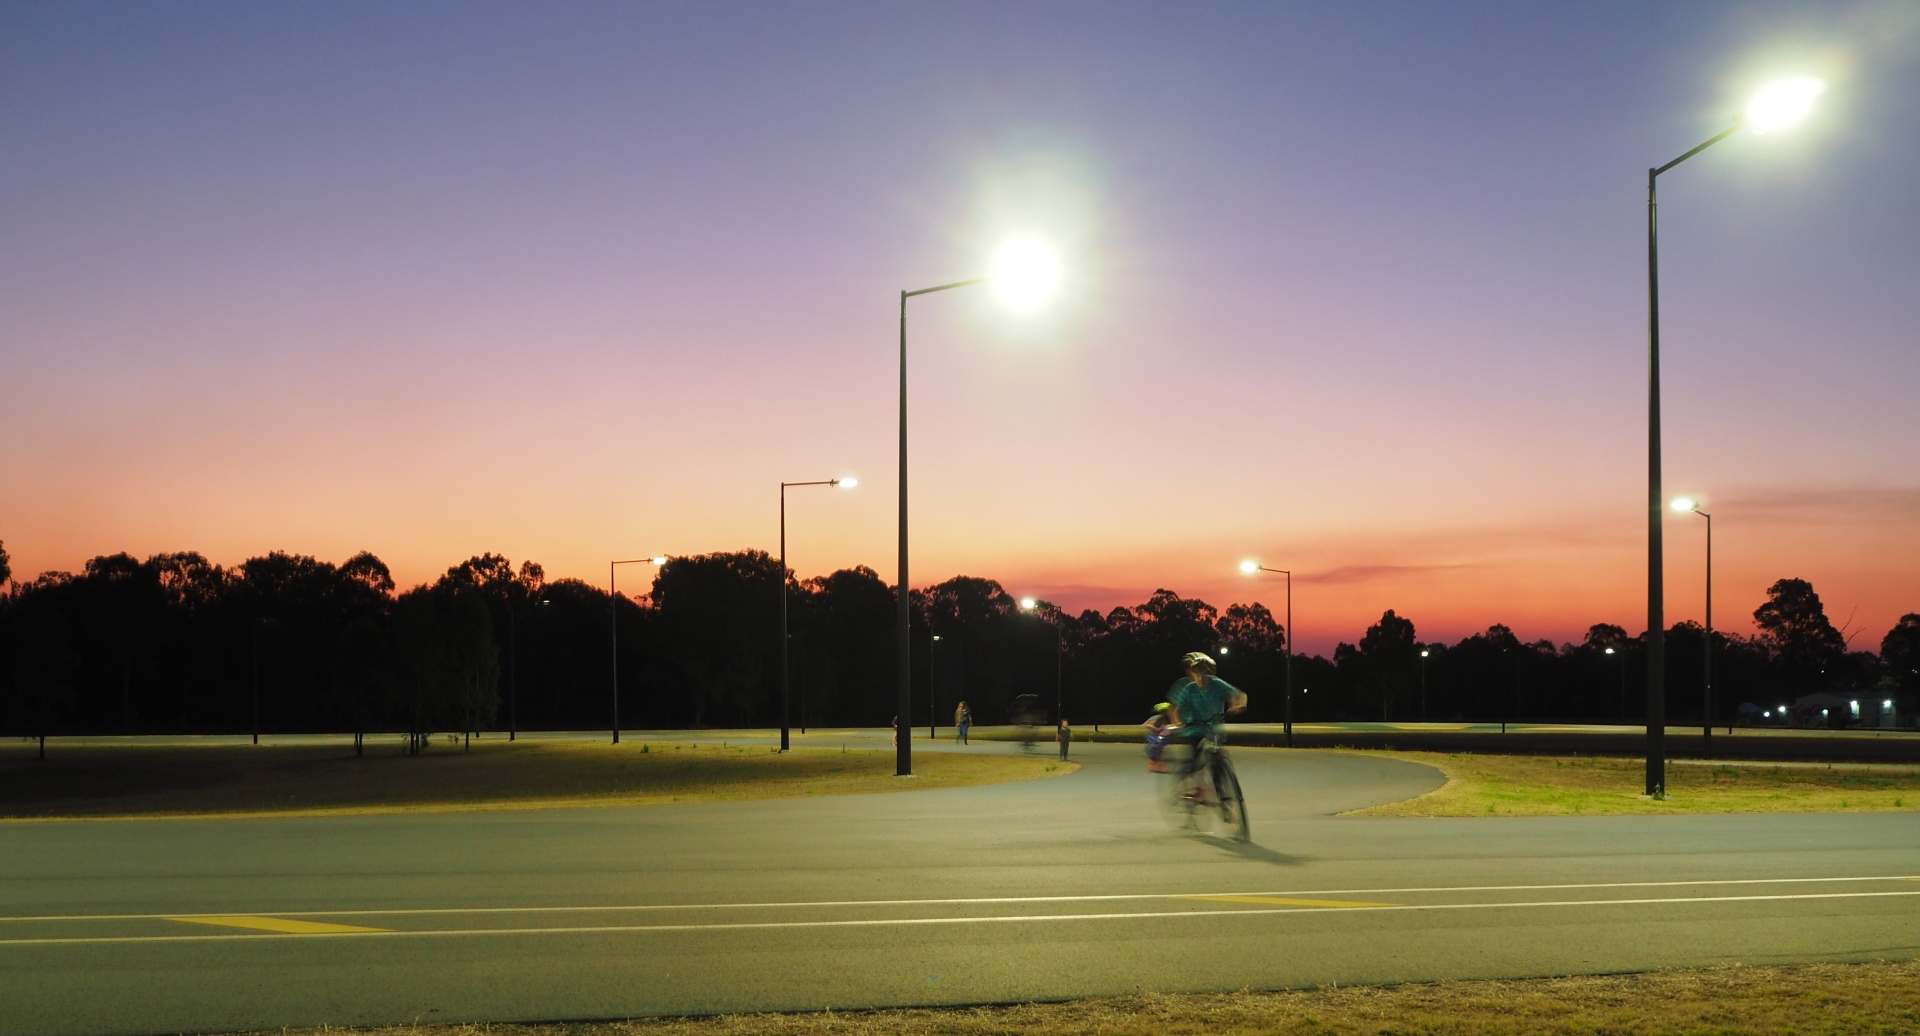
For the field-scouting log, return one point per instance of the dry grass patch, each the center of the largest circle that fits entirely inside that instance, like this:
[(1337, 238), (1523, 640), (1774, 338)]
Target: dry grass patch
[(1525, 785), (245, 780), (1833, 999)]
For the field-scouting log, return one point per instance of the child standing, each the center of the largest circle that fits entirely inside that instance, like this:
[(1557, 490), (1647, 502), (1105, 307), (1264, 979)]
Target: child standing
[(1063, 734)]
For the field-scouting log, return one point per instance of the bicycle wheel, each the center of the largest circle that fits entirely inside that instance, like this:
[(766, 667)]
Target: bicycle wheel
[(1182, 812), (1232, 805)]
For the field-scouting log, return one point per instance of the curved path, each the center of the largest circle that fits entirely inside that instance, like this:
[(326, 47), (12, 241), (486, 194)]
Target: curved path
[(1050, 889)]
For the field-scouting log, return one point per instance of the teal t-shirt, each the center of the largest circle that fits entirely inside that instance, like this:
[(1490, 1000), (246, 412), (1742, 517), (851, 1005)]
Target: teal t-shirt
[(1203, 708)]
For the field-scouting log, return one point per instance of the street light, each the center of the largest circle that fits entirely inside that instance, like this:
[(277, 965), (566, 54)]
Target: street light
[(1024, 273), (1423, 685), (1621, 709), (1776, 106), (613, 609), (1684, 505), (513, 671), (1250, 567), (1028, 604), (843, 483)]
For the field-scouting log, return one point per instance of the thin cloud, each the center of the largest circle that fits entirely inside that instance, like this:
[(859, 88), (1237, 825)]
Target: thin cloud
[(1373, 573)]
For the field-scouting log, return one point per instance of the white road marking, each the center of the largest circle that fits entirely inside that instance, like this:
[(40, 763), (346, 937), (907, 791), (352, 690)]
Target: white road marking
[(979, 901), (909, 921)]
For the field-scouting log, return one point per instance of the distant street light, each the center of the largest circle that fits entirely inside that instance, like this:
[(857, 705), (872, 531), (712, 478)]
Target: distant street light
[(1024, 274), (513, 671), (613, 608), (1621, 709), (1706, 672), (844, 483), (1423, 685), (1776, 106), (1028, 604), (1251, 567)]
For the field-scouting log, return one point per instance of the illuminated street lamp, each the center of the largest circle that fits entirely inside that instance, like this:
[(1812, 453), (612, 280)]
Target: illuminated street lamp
[(843, 483), (1025, 273), (1684, 505), (1775, 107), (1251, 567), (613, 607), (1423, 685), (1621, 709), (1028, 604)]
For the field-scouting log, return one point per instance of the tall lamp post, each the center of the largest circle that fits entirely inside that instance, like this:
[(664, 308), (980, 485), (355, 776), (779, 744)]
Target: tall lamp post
[(1706, 670), (613, 608), (1251, 567), (1025, 272), (844, 483), (1776, 106), (1028, 604)]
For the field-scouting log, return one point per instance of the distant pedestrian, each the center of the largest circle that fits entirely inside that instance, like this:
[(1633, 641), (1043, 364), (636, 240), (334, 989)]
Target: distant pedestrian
[(896, 732), (1063, 734), (963, 721)]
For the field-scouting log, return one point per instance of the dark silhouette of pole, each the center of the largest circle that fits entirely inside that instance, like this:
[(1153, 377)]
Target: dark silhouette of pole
[(613, 611), (513, 671), (1706, 670), (1423, 685), (784, 666), (256, 680), (902, 645)]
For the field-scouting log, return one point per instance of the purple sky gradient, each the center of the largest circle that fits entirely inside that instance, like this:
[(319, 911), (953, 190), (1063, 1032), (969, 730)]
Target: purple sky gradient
[(1356, 289)]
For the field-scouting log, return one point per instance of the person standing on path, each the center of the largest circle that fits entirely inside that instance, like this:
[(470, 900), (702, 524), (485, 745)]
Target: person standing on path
[(1063, 734), (963, 721)]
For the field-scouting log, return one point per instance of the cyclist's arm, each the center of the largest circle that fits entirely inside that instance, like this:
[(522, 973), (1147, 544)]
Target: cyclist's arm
[(1238, 703)]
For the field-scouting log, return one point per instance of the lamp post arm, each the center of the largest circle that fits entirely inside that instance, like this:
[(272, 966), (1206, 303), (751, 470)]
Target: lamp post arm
[(966, 283), (1709, 142)]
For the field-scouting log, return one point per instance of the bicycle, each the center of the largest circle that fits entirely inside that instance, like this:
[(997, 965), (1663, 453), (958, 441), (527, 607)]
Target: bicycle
[(1210, 788)]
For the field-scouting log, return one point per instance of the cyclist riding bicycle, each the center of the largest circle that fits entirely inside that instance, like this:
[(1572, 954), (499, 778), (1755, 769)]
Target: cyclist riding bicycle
[(1201, 704)]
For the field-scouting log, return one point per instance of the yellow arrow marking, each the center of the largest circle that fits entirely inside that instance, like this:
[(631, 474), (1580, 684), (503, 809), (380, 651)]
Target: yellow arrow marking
[(1289, 902), (277, 924)]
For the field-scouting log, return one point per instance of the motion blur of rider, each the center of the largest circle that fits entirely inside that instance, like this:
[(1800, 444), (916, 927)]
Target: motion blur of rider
[(1201, 704)]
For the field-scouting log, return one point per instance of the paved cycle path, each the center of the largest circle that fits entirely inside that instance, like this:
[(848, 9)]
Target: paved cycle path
[(1065, 887)]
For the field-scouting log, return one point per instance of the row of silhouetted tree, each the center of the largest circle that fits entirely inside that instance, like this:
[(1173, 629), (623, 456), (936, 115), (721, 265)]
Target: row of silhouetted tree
[(286, 643)]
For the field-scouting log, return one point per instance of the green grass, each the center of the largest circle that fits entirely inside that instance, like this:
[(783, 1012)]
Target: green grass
[(1523, 785), (1800, 1000), (103, 781)]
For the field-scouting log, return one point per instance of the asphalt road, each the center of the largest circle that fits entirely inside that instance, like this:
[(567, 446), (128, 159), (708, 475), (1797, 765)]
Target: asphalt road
[(1066, 887)]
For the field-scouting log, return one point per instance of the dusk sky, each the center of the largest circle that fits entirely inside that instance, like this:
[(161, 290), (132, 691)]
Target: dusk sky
[(1355, 289)]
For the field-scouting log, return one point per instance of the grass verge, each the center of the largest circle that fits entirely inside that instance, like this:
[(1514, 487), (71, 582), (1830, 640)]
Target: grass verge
[(1535, 786), (113, 781), (1809, 999)]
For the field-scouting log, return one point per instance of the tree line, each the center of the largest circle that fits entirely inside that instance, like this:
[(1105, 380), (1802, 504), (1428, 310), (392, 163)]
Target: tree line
[(290, 643)]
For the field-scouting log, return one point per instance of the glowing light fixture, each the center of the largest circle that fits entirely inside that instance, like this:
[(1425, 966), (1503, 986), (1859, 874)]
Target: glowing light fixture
[(846, 483), (1782, 103), (1684, 505), (1025, 273), (1028, 604), (658, 559), (1249, 567)]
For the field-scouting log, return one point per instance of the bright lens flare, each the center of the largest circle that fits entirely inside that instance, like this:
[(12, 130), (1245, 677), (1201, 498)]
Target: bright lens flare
[(1025, 273), (1683, 504), (1783, 103), (1028, 603)]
